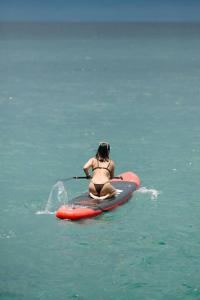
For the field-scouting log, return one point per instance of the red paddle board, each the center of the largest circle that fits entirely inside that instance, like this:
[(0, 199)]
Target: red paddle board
[(84, 206)]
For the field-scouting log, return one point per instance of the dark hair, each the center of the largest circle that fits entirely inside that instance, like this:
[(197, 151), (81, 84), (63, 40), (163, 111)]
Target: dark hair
[(103, 151)]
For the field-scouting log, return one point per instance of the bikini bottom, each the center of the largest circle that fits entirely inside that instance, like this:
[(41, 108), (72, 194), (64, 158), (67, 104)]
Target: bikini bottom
[(99, 187)]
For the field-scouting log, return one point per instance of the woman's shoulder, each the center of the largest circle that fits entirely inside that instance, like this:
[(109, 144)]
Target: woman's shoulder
[(112, 162), (93, 160)]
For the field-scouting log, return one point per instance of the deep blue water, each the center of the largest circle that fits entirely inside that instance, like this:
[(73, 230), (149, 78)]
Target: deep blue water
[(64, 88)]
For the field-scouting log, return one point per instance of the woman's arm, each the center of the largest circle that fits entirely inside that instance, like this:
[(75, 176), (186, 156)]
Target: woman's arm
[(87, 166), (112, 170)]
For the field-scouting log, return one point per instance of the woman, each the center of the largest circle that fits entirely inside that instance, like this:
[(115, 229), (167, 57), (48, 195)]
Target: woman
[(103, 170)]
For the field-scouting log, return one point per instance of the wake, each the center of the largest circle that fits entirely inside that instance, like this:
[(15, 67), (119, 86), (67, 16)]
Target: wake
[(152, 192)]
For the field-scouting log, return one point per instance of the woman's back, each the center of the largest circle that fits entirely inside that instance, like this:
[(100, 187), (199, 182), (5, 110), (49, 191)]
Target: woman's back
[(103, 170)]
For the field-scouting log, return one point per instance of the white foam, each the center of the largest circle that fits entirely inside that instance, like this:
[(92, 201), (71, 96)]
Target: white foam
[(153, 192), (45, 212)]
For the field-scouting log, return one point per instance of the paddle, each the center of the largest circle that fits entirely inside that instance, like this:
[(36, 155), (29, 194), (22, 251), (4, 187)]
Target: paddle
[(74, 177), (84, 177)]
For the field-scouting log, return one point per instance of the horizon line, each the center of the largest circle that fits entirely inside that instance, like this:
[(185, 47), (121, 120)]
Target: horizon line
[(100, 21)]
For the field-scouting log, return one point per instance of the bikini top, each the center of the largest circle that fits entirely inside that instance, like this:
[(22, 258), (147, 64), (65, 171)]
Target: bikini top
[(106, 168)]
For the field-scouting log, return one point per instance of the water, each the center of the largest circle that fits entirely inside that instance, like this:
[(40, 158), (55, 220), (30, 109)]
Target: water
[(64, 88)]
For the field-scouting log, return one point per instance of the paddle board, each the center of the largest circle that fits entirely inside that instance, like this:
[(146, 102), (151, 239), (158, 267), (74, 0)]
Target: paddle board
[(84, 206)]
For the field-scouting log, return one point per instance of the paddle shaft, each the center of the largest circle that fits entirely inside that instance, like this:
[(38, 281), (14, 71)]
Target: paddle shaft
[(84, 177)]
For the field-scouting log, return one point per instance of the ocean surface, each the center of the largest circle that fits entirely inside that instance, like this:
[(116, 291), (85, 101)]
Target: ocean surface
[(63, 89)]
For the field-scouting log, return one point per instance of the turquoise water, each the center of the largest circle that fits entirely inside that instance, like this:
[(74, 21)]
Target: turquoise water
[(64, 88)]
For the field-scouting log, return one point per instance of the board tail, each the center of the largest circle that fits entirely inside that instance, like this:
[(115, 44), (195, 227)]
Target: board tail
[(130, 176)]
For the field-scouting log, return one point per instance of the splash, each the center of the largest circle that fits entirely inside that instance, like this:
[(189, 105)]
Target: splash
[(153, 192), (58, 194)]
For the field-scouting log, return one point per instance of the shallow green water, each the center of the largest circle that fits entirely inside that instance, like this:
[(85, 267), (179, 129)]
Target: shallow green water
[(64, 88)]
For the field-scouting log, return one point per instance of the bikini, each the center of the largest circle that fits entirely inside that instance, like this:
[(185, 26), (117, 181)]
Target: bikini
[(98, 186)]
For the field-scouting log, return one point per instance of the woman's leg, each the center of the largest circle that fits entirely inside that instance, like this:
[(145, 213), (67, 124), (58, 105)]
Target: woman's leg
[(109, 190), (92, 189)]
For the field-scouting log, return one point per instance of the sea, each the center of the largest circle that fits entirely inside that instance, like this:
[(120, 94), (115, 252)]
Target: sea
[(65, 87)]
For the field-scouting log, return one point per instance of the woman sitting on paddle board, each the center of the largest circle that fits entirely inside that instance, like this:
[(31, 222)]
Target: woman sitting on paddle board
[(103, 170)]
